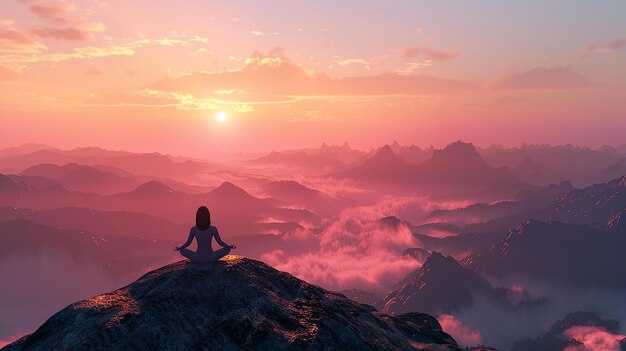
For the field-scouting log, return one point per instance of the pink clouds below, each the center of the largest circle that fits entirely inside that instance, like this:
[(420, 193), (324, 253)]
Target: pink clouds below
[(463, 334), (593, 339), (355, 251)]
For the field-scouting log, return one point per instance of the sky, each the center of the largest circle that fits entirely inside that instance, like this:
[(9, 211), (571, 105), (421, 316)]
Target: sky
[(153, 75)]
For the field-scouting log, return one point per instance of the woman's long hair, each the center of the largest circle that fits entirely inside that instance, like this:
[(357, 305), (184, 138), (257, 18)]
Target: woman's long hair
[(203, 218)]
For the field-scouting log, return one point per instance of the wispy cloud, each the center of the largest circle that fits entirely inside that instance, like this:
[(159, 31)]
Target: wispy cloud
[(552, 78), (428, 53), (200, 52), (61, 20), (289, 79), (14, 41), (102, 51), (607, 48), (52, 11)]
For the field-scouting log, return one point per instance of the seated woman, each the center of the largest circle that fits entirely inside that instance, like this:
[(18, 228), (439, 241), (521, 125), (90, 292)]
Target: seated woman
[(204, 233)]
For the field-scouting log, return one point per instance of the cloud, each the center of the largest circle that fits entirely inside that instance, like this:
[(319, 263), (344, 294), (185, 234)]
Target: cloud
[(200, 52), (52, 11), (610, 47), (103, 51), (78, 53), (63, 33), (61, 22), (179, 39), (593, 339), (351, 61), (428, 53), (290, 80), (9, 74), (559, 77), (355, 250), (256, 33), (412, 67), (243, 108), (464, 335), (6, 21), (14, 41)]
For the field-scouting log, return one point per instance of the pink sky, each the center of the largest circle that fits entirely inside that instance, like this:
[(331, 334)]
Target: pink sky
[(152, 75)]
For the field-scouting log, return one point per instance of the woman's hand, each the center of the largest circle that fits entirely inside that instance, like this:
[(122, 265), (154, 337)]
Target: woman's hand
[(232, 246), (177, 248)]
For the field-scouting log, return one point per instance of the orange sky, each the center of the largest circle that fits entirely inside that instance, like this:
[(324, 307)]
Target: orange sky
[(151, 75)]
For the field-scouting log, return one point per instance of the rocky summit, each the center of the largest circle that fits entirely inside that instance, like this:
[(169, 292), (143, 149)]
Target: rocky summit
[(234, 304)]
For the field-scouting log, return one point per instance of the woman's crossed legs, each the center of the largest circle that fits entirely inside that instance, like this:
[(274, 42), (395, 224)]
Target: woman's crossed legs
[(214, 256)]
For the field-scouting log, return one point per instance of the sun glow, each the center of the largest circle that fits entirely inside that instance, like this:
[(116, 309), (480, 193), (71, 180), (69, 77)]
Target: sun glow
[(221, 117)]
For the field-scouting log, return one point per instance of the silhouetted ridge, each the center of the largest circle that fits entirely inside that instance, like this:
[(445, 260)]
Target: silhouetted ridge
[(384, 156), (8, 185), (290, 187), (152, 188), (234, 304), (441, 285), (229, 189), (392, 222), (560, 252), (458, 155), (595, 204)]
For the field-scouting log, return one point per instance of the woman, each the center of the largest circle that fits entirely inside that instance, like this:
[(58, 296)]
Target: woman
[(204, 233)]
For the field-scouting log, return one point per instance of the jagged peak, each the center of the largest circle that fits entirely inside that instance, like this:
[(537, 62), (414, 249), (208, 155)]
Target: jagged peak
[(439, 261), (457, 149), (385, 153), (392, 222)]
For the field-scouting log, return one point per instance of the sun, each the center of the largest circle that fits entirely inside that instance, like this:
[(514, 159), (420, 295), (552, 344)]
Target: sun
[(221, 117)]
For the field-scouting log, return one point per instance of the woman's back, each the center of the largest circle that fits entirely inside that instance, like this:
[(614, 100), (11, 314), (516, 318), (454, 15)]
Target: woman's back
[(204, 239)]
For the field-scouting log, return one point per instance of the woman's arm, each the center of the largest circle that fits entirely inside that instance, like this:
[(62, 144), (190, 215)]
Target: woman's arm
[(189, 240), (219, 240)]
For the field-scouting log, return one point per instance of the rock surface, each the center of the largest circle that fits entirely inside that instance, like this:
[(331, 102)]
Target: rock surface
[(234, 304)]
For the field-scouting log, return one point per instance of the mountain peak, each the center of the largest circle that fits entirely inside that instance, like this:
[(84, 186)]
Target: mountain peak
[(235, 303), (458, 155), (384, 156), (441, 285), (152, 188), (229, 189), (392, 222)]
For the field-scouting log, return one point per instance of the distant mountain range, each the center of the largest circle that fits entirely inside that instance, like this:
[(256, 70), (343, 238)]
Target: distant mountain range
[(458, 165), (75, 177), (118, 223), (235, 210), (153, 164)]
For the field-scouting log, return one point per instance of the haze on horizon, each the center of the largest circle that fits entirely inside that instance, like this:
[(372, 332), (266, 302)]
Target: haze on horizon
[(125, 75)]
